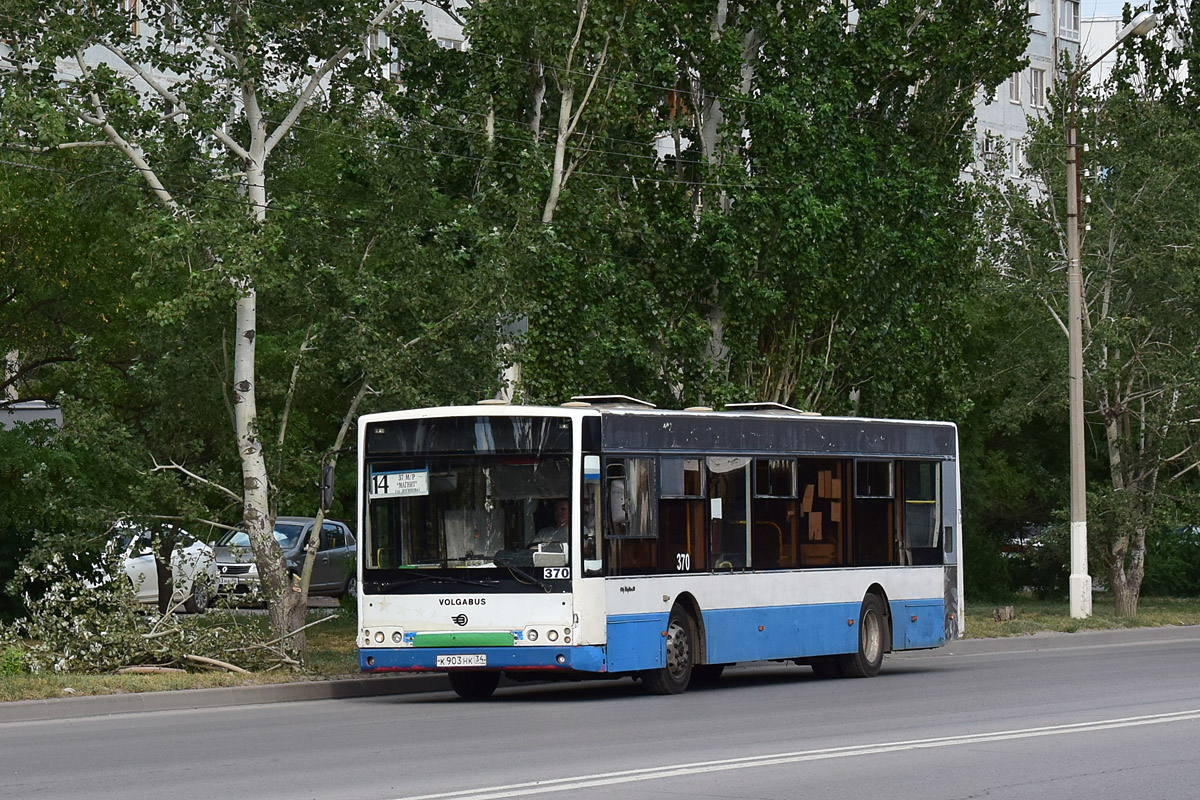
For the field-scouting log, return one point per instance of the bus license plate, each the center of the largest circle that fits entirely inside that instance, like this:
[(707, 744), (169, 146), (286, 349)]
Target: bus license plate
[(467, 660)]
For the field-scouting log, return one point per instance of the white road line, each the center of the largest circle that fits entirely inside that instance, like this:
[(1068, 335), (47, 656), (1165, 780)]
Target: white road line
[(749, 762)]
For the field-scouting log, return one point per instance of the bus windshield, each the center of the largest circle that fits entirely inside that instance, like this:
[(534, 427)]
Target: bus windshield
[(481, 510)]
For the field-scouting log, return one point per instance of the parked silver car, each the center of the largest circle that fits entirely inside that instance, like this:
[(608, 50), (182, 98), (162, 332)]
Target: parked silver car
[(333, 572)]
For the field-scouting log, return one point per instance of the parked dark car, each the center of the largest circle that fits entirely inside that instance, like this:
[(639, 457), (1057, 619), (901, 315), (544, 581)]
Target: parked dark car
[(333, 572)]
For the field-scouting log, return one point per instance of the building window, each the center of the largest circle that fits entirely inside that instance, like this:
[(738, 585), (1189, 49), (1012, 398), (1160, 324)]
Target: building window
[(1037, 88), (989, 147), (1036, 22), (1068, 19), (1017, 158), (1014, 88), (379, 45)]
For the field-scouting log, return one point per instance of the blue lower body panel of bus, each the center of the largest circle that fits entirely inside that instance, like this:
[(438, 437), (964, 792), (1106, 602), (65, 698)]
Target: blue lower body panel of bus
[(424, 659)]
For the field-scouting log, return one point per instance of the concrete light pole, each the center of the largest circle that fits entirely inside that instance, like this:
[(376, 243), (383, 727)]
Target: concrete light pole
[(1081, 581)]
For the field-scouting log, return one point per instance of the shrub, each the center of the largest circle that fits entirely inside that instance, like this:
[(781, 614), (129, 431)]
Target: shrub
[(1173, 563), (12, 661)]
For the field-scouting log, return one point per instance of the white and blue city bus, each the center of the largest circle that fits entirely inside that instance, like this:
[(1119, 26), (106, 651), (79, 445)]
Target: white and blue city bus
[(608, 537)]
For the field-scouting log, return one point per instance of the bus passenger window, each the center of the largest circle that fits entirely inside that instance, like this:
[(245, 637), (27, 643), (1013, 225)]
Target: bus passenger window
[(728, 492), (874, 512), (773, 539), (682, 535), (922, 514), (631, 545), (822, 512)]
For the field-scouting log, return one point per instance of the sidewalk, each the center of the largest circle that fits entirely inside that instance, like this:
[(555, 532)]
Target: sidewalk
[(134, 702)]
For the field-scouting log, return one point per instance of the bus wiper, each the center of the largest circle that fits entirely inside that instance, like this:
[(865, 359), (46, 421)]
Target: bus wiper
[(418, 578), (519, 573)]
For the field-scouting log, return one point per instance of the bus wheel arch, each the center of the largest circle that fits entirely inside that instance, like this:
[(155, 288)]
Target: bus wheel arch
[(681, 646), (873, 638), (688, 603), (888, 630)]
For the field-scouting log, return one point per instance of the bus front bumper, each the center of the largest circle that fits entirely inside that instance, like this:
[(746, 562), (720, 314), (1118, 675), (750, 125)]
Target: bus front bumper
[(447, 659)]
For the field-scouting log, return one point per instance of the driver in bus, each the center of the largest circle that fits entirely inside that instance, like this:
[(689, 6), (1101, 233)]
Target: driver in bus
[(560, 531)]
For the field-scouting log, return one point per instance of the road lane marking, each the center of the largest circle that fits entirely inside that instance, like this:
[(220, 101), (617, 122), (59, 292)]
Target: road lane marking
[(748, 762)]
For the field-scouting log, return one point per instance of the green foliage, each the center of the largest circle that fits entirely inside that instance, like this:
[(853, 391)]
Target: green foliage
[(798, 234), (12, 660), (1173, 563), (1140, 282), (815, 241), (85, 619)]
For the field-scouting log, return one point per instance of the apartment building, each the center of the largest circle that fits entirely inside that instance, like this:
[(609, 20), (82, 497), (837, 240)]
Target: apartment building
[(1002, 125)]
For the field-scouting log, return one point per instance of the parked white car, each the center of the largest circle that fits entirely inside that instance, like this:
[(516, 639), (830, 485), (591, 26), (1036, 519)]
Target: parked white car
[(193, 570)]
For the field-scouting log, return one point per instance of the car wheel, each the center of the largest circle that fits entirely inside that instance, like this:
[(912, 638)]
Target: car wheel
[(199, 599), (351, 588)]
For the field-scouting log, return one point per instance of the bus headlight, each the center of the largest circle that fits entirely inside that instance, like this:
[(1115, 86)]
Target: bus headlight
[(552, 635), (397, 637), (379, 637), (532, 635)]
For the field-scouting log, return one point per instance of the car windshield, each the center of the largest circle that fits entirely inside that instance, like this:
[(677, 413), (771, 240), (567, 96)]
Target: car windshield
[(284, 534)]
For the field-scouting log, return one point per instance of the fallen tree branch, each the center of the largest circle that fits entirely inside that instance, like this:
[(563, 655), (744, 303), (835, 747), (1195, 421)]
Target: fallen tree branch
[(148, 670), (303, 627), (212, 662)]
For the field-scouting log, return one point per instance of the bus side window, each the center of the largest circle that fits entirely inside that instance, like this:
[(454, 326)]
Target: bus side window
[(874, 511), (631, 546), (773, 539), (593, 534), (922, 513), (682, 532), (728, 493), (822, 512)]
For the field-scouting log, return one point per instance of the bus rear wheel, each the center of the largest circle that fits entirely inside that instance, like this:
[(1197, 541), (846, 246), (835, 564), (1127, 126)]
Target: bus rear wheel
[(474, 685), (872, 638), (673, 677)]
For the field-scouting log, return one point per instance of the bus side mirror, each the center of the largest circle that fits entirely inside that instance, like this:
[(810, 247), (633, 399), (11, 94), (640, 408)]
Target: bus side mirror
[(617, 513), (326, 487)]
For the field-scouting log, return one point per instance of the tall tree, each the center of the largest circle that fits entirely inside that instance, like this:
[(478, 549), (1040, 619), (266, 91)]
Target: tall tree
[(197, 97), (1139, 257), (848, 252)]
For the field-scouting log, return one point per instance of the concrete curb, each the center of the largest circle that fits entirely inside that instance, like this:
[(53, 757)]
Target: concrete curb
[(103, 705)]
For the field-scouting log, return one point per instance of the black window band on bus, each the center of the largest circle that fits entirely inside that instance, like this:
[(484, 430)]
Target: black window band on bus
[(469, 436), (678, 433)]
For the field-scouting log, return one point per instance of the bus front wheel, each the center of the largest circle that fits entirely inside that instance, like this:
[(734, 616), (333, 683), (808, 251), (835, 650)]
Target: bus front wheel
[(872, 637), (474, 685), (673, 677)]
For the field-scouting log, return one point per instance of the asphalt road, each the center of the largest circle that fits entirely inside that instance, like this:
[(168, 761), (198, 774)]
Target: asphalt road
[(1089, 715)]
